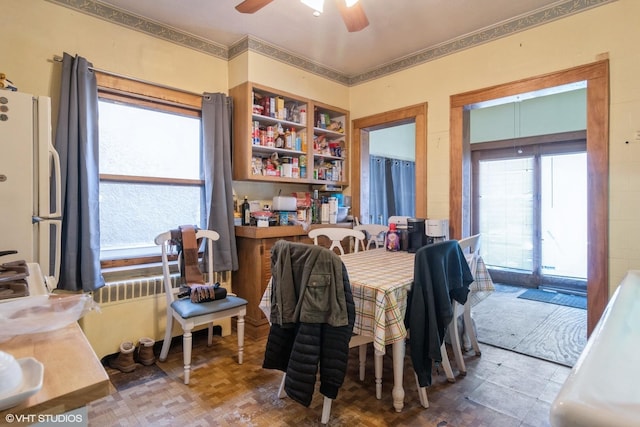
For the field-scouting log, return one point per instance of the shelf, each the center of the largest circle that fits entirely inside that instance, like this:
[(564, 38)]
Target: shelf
[(274, 121), (327, 157), (322, 131), (269, 150), (260, 109)]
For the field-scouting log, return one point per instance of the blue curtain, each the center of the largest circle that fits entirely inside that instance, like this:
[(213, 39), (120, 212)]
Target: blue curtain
[(77, 144), (403, 177), (217, 113), (392, 188)]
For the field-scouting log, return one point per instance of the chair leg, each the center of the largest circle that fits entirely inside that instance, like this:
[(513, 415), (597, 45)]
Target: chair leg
[(422, 393), (210, 335), (455, 344), (281, 393), (468, 327), (167, 338), (362, 358), (186, 354), (446, 365), (326, 410), (240, 326)]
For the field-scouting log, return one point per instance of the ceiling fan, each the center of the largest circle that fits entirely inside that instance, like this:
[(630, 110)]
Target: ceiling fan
[(351, 10)]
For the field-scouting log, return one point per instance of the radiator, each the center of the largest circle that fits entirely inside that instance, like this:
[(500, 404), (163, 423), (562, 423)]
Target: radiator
[(134, 308)]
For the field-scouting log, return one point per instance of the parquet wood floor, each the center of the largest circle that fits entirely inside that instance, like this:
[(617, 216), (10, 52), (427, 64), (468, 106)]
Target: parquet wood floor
[(501, 388)]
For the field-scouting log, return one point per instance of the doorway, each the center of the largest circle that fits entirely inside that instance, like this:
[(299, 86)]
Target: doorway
[(362, 127), (597, 77), (391, 173), (530, 206)]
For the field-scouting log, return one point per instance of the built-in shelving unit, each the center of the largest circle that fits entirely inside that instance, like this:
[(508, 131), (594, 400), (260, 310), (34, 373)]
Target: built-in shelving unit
[(281, 137)]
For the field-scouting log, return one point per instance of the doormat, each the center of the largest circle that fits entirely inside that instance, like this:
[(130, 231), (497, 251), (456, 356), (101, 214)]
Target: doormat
[(557, 298)]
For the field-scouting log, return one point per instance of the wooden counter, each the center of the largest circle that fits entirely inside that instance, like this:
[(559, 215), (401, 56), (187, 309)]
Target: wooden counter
[(281, 230), (73, 375), (254, 266)]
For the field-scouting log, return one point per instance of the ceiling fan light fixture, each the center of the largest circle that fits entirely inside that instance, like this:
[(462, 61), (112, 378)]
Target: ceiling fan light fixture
[(316, 5)]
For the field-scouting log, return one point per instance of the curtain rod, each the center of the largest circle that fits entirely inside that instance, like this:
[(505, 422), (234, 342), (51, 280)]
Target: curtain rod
[(57, 58)]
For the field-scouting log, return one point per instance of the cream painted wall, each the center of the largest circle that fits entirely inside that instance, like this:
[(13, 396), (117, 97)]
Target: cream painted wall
[(38, 30), (552, 47), (278, 75)]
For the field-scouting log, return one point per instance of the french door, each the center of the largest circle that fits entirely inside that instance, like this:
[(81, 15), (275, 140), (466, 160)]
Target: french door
[(530, 204)]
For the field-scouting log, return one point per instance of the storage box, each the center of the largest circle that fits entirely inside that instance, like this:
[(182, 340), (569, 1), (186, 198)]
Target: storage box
[(284, 203)]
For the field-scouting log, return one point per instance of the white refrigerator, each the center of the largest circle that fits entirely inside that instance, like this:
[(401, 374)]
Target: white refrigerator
[(30, 209)]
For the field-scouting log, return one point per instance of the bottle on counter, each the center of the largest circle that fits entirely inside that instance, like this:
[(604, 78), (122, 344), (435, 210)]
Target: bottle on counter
[(324, 211), (315, 208), (246, 212), (333, 210), (392, 241)]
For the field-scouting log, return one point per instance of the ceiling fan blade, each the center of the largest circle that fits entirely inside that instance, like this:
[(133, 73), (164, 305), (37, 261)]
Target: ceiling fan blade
[(252, 6), (353, 17)]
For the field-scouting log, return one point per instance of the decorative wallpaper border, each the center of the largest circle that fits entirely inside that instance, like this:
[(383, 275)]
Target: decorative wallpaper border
[(249, 43)]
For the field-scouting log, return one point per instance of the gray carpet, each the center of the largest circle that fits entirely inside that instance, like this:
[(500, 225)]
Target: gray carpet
[(547, 331)]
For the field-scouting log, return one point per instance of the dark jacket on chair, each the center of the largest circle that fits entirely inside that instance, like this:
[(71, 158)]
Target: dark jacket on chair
[(311, 282), (440, 274)]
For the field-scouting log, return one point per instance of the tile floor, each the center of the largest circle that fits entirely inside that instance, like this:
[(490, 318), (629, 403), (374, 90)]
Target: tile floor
[(501, 388)]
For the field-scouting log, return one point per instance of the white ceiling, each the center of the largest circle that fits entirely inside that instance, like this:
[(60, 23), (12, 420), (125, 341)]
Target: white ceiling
[(398, 28)]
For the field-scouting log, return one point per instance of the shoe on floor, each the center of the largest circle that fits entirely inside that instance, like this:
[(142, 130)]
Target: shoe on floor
[(145, 351), (124, 360)]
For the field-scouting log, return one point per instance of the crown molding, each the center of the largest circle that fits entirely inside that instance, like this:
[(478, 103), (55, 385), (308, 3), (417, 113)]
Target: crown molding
[(249, 43), (145, 25)]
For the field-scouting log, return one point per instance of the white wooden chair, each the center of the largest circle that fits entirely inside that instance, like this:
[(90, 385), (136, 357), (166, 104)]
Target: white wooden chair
[(373, 233), (398, 220), (471, 248), (190, 314), (336, 235)]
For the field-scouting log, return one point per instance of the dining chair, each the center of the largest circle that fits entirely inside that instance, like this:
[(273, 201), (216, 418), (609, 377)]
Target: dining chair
[(190, 314), (398, 219), (373, 234), (441, 275), (471, 248), (337, 235), (330, 341)]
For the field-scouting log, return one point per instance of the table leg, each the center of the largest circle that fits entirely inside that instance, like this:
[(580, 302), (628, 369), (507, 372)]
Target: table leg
[(398, 372), (377, 364)]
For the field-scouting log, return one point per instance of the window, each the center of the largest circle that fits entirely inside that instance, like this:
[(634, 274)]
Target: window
[(150, 168)]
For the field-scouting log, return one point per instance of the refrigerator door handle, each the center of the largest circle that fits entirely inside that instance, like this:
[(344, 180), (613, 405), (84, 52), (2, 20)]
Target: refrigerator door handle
[(52, 281), (44, 247), (53, 155)]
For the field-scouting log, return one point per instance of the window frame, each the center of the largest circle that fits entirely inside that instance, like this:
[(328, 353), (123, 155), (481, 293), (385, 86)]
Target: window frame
[(149, 95)]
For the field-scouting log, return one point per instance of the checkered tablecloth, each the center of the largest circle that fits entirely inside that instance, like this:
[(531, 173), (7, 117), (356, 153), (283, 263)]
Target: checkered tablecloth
[(380, 281)]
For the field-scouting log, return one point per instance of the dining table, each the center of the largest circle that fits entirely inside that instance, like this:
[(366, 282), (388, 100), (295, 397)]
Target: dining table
[(380, 281)]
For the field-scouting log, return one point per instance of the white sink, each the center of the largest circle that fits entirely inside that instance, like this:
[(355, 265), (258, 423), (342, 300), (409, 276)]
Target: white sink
[(603, 388)]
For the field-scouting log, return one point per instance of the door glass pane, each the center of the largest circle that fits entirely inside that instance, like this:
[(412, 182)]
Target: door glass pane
[(564, 215), (506, 212)]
